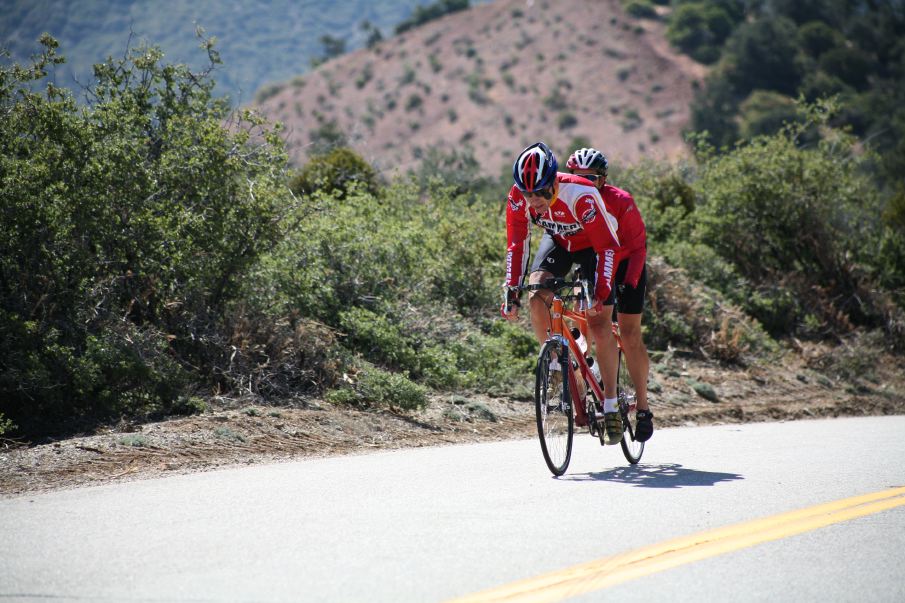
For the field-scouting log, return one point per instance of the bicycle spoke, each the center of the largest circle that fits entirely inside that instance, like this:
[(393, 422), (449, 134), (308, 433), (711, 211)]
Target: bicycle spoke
[(631, 448), (554, 412)]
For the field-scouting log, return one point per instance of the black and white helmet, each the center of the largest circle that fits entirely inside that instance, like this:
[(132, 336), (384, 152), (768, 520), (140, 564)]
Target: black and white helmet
[(588, 159)]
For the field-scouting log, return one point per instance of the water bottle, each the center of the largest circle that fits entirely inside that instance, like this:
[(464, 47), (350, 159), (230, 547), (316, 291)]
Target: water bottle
[(595, 370), (583, 346), (580, 340)]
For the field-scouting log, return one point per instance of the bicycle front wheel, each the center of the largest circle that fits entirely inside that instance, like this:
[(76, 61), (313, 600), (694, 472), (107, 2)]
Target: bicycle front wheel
[(555, 423), (625, 390)]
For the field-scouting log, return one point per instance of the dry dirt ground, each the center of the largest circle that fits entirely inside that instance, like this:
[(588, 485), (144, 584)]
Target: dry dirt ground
[(234, 433)]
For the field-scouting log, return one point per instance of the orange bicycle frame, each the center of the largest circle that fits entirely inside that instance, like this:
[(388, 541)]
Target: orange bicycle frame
[(557, 314)]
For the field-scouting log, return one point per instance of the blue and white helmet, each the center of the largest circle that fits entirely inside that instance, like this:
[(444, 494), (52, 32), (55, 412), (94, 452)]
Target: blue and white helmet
[(535, 168)]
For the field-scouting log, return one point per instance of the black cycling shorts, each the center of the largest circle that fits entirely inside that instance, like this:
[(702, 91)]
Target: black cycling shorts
[(558, 261), (629, 300)]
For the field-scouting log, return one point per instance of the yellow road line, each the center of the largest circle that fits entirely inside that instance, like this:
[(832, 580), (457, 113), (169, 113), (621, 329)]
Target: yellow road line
[(603, 573)]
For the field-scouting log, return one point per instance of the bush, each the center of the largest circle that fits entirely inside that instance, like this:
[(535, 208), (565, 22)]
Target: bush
[(699, 29), (128, 224), (763, 56), (378, 388), (817, 38), (335, 172), (789, 233), (641, 9), (851, 65), (566, 121), (790, 219), (406, 278), (430, 12), (682, 313), (765, 113)]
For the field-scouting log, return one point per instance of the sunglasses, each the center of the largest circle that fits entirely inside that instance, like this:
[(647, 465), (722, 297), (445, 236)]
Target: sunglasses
[(546, 193), (591, 177)]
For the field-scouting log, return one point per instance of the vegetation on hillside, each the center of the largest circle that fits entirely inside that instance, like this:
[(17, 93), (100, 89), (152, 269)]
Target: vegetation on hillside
[(767, 53), (157, 252), (424, 14), (788, 230)]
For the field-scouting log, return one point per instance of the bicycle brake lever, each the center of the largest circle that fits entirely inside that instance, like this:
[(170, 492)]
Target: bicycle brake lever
[(509, 299)]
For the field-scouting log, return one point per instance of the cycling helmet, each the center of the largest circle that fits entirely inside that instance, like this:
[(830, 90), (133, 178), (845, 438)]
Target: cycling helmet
[(535, 168), (588, 159)]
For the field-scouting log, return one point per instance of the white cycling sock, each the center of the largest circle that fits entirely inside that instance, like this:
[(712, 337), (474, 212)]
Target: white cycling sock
[(609, 405)]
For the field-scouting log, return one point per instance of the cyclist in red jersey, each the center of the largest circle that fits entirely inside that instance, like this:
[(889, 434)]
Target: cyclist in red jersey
[(577, 230), (630, 281)]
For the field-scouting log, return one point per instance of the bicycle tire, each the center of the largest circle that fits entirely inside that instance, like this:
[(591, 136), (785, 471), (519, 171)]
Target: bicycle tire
[(625, 390), (555, 420)]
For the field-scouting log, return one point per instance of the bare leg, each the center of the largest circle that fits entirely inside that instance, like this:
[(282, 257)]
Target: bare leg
[(635, 355), (600, 329), (539, 306)]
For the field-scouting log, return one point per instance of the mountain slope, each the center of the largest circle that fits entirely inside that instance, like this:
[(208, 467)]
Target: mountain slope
[(495, 78)]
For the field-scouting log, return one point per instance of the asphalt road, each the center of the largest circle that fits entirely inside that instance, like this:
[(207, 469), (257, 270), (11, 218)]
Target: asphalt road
[(438, 523)]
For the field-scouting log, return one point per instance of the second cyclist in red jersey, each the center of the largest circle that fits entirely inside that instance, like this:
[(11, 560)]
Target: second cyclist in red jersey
[(630, 282)]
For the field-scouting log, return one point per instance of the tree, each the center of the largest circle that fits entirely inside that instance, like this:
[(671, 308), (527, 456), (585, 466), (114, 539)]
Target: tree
[(851, 65), (333, 47), (817, 37), (699, 28), (714, 110), (127, 224), (763, 55), (335, 172), (765, 112), (794, 221), (423, 14), (374, 37), (802, 11)]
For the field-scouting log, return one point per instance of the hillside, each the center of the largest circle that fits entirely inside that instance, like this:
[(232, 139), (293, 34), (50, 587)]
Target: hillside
[(495, 78), (259, 41)]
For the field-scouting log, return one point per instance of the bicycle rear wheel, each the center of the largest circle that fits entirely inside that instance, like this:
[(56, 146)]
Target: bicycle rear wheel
[(555, 423), (625, 390)]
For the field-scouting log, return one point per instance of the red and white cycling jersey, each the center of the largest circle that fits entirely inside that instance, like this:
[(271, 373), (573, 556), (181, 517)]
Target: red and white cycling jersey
[(632, 232), (577, 219)]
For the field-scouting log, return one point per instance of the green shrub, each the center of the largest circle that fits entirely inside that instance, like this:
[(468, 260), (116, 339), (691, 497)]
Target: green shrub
[(128, 224), (430, 12), (762, 56), (699, 29), (6, 425), (375, 387), (818, 37), (133, 440), (851, 65), (225, 433), (684, 314), (414, 102), (640, 9), (765, 113), (566, 120), (267, 92), (335, 172)]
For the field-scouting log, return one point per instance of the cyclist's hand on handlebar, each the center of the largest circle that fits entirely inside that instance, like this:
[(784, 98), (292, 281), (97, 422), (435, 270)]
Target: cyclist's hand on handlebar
[(597, 308), (511, 298), (513, 312)]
